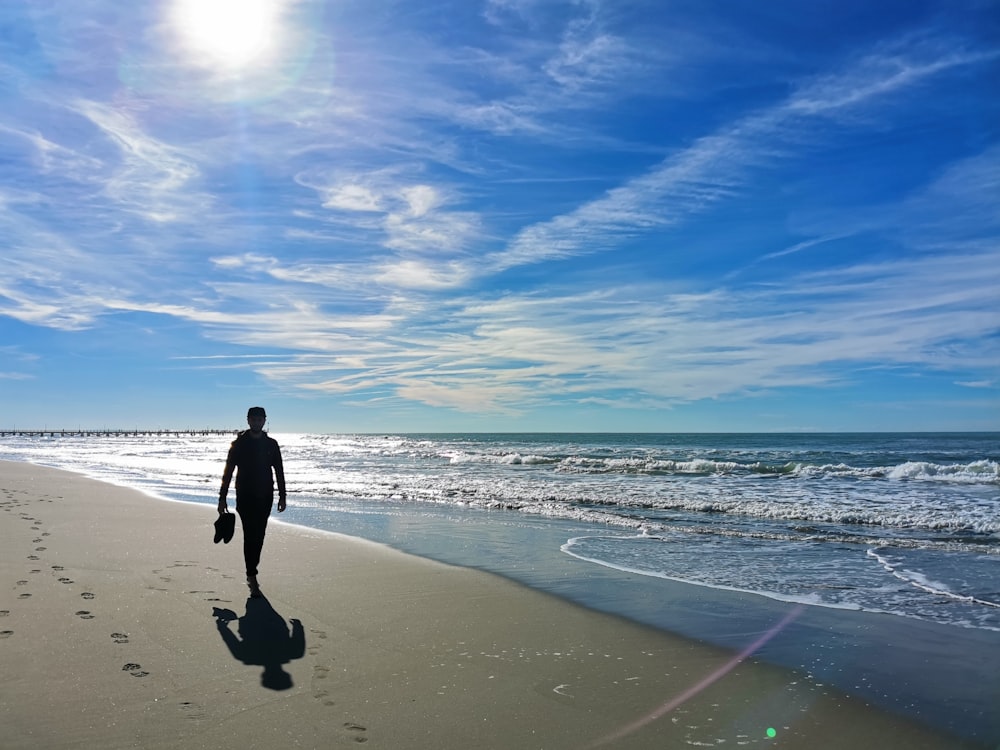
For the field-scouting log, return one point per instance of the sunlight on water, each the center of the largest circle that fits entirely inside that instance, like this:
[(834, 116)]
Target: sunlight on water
[(906, 525)]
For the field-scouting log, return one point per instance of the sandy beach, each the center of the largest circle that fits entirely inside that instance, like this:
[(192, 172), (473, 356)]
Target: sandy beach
[(123, 626)]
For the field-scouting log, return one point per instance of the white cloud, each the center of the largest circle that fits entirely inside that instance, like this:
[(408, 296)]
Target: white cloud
[(716, 167), (14, 355), (483, 398), (246, 260), (416, 274), (53, 158), (411, 215), (352, 198), (420, 200), (636, 345), (898, 66), (588, 59), (153, 178)]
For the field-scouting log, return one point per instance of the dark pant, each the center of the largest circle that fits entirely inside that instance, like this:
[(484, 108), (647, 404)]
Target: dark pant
[(253, 512)]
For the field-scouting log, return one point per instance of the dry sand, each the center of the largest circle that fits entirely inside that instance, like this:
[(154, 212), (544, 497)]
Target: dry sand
[(123, 626)]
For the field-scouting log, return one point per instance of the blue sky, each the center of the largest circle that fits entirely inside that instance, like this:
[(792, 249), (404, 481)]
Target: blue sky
[(500, 215)]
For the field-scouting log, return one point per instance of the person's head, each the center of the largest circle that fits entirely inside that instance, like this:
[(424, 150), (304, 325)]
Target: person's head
[(256, 416)]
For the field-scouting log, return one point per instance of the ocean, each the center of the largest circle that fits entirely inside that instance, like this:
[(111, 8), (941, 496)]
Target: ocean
[(691, 533)]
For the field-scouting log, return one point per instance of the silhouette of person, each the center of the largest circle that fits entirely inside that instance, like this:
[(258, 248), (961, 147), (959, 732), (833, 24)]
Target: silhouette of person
[(263, 639), (256, 458)]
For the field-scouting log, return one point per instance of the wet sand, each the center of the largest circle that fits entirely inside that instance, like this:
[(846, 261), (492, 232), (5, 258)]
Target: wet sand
[(122, 625)]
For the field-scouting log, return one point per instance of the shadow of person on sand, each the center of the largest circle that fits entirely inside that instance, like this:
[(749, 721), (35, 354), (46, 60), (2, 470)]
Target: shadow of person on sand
[(263, 639)]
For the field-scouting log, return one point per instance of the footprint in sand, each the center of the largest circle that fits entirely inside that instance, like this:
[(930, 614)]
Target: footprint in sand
[(84, 615), (87, 595), (356, 731), (22, 583), (58, 567), (24, 596), (65, 580), (193, 710), (119, 637), (6, 633), (4, 612), (135, 670), (34, 557), (315, 648)]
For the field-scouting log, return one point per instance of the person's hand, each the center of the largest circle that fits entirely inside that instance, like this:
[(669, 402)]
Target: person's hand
[(224, 616), (223, 505), (281, 504)]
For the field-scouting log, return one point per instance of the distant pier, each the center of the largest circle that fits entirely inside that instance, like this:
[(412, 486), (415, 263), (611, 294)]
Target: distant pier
[(114, 433)]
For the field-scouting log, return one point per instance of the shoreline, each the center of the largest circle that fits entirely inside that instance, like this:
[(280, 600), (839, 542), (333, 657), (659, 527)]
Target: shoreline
[(879, 658), (117, 610)]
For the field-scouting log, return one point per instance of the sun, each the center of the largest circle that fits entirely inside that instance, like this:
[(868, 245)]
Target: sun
[(228, 33)]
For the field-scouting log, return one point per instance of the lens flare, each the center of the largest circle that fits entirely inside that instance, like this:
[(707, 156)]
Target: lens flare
[(708, 680)]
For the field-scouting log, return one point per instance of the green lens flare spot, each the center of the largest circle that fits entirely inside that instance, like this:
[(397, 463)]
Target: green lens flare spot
[(771, 733)]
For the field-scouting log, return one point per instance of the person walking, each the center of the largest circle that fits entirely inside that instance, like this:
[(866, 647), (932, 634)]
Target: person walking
[(256, 459)]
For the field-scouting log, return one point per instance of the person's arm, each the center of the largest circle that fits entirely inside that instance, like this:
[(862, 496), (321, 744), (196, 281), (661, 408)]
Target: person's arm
[(227, 476), (279, 476)]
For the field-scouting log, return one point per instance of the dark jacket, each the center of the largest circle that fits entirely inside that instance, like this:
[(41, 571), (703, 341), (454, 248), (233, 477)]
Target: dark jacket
[(253, 459)]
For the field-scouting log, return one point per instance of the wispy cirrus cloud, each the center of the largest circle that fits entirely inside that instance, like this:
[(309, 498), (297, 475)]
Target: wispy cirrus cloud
[(50, 157), (150, 178), (638, 346), (718, 166), (15, 356), (977, 383), (954, 212), (426, 243), (529, 204)]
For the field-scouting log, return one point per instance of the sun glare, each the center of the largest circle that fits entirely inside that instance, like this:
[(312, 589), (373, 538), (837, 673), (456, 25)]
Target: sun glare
[(228, 33)]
